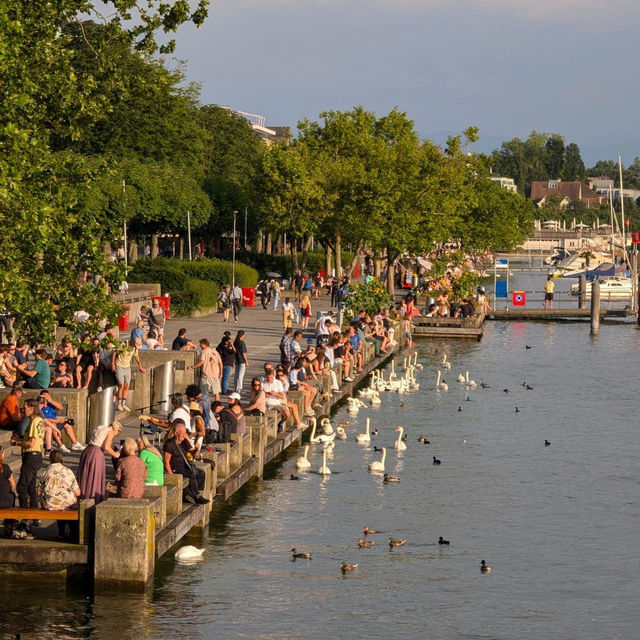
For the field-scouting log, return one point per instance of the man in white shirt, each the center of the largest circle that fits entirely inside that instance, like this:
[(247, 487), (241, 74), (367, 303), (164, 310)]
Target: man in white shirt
[(236, 302)]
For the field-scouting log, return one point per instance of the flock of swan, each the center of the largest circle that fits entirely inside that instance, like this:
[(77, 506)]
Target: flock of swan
[(324, 434)]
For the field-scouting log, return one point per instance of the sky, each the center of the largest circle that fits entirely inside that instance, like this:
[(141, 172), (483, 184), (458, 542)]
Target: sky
[(505, 66)]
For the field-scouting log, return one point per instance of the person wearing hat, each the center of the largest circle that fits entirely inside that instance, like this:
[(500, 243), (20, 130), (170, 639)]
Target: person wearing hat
[(482, 304), (236, 408)]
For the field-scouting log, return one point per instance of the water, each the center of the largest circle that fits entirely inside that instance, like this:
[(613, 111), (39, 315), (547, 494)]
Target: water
[(558, 524)]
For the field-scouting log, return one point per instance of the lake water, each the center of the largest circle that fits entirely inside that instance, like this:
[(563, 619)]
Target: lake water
[(558, 524)]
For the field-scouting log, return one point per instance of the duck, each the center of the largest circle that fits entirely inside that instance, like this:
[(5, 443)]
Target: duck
[(459, 408), (366, 436), (460, 378), (484, 385), (517, 410), (378, 465), (506, 390), (470, 384), (341, 434), (441, 386), (526, 346), (324, 469), (377, 448), (400, 445), (529, 387), (365, 544), (188, 552), (395, 543), (345, 566), (366, 531), (436, 460), (441, 540), (303, 462), (445, 364), (344, 424), (547, 443), (388, 478), (424, 440), (294, 477), (484, 567), (303, 555)]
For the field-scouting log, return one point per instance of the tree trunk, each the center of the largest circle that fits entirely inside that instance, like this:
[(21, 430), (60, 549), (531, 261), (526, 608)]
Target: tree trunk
[(294, 258), (133, 251), (391, 285), (269, 248), (377, 265), (259, 242), (154, 245), (354, 260), (181, 250), (327, 260), (305, 250), (338, 258)]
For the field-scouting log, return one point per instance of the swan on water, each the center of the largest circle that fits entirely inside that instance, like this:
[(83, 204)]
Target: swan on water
[(441, 386), (325, 439), (303, 462), (460, 378), (416, 364), (445, 364), (341, 434), (325, 423), (400, 445), (378, 465), (366, 436), (188, 552), (312, 438), (324, 469), (471, 384), (375, 398)]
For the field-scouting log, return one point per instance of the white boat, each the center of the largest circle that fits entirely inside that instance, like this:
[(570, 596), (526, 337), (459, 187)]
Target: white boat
[(559, 254), (600, 265), (616, 287)]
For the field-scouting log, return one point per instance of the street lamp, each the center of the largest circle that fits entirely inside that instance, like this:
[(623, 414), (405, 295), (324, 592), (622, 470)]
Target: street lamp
[(233, 269)]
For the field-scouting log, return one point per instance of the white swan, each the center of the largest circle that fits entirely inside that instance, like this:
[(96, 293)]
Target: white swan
[(399, 445), (416, 364), (460, 378), (329, 447), (375, 398), (378, 465), (441, 386), (325, 423), (324, 438), (471, 384), (445, 364), (324, 469), (303, 462), (341, 434), (312, 438), (188, 552), (364, 437)]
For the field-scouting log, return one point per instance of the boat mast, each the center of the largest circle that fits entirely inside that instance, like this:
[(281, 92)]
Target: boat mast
[(624, 240)]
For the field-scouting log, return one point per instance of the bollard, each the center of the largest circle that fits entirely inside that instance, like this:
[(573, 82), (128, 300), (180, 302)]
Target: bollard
[(595, 308), (582, 299)]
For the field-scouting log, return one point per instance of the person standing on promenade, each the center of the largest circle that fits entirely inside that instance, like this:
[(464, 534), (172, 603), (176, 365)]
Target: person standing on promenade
[(157, 319), (242, 361), (549, 287), (263, 290), (236, 302), (228, 355), (287, 314), (211, 373), (224, 298), (31, 445), (275, 292), (305, 310), (285, 347)]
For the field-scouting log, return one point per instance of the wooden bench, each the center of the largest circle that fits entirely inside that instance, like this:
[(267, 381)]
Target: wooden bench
[(26, 513)]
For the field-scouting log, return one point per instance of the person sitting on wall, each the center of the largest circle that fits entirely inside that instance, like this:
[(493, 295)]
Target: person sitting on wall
[(176, 452), (131, 472)]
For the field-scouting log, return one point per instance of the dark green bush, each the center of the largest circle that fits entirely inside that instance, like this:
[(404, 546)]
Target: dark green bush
[(206, 293), (221, 272), (170, 277), (184, 303)]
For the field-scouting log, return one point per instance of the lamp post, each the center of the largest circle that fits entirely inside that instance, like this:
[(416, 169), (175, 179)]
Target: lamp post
[(233, 269)]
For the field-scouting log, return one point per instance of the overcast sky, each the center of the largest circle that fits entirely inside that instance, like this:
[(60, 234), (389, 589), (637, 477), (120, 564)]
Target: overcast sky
[(505, 66)]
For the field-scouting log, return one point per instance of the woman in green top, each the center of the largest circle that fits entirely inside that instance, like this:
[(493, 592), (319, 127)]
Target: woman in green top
[(152, 460)]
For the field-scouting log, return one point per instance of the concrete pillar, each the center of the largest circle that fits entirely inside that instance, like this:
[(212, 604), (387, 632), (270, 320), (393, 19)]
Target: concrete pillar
[(582, 300), (173, 483), (125, 544), (158, 497), (257, 426)]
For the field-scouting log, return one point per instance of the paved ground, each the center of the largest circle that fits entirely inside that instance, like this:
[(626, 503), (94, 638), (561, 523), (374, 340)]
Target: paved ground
[(263, 330)]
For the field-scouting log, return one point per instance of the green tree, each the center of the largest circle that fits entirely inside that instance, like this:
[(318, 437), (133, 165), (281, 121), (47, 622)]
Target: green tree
[(555, 156), (49, 240), (573, 165)]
